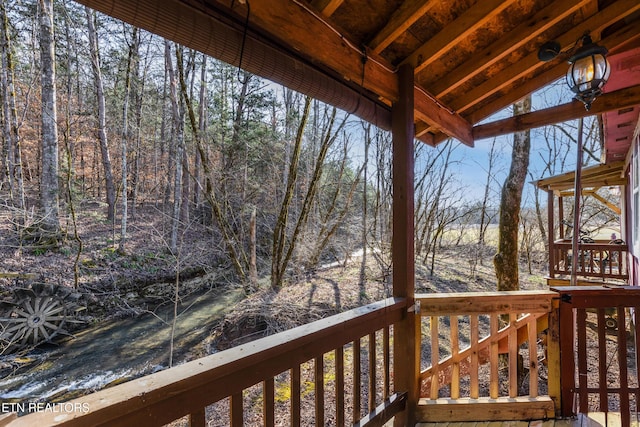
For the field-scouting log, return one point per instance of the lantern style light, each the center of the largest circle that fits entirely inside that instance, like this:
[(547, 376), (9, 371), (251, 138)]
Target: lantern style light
[(588, 72)]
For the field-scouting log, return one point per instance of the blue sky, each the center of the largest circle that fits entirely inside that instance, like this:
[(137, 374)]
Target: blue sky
[(474, 161)]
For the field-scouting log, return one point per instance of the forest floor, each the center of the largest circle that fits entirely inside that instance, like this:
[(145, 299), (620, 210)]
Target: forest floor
[(126, 284), (123, 287)]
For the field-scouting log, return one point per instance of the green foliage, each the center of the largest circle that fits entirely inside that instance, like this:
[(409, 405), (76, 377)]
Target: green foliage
[(39, 251)]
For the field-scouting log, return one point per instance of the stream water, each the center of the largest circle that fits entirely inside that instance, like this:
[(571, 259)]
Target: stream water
[(111, 352)]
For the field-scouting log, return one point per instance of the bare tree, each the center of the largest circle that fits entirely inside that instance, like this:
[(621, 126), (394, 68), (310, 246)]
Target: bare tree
[(331, 215), (11, 128), (365, 202), (178, 140), (101, 129), (49, 186), (279, 259), (506, 260), (133, 49)]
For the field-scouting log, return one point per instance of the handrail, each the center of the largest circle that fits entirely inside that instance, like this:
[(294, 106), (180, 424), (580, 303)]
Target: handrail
[(187, 389), (594, 319), (450, 319), (599, 259)]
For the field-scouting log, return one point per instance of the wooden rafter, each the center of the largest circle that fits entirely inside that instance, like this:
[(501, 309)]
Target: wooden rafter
[(594, 193), (518, 37), (283, 18), (327, 7), (623, 98), (340, 45), (403, 18), (594, 176), (467, 23), (431, 112), (526, 65), (621, 36)]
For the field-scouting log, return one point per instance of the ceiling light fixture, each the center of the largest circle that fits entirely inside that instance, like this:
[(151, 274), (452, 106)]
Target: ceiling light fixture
[(588, 72)]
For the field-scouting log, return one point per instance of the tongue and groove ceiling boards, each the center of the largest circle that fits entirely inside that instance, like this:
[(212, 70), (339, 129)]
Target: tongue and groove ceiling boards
[(470, 58)]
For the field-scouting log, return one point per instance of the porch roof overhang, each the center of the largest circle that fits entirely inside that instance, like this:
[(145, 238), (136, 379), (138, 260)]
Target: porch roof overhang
[(471, 59), (593, 177)]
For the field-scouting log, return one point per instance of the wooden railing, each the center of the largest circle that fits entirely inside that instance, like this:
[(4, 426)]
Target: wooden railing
[(595, 333), (469, 338), (339, 370), (600, 259), (346, 357)]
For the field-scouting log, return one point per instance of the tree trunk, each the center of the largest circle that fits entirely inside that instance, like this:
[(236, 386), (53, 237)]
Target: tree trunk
[(49, 186), (365, 203), (11, 127), (279, 257), (235, 250), (102, 121), (253, 265), (133, 48), (506, 260), (177, 139), (137, 93), (202, 128)]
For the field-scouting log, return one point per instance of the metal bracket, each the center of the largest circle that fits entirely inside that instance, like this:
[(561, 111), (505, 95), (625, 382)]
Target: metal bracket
[(415, 308)]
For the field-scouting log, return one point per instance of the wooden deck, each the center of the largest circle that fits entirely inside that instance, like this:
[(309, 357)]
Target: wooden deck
[(595, 419)]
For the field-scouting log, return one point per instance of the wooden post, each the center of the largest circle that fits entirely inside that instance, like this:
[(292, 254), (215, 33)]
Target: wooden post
[(553, 356), (561, 217), (576, 209), (551, 234), (567, 362), (406, 368)]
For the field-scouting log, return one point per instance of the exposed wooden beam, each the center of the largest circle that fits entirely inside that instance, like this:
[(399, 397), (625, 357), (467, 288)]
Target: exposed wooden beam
[(422, 128), (430, 111), (613, 42), (611, 101), (607, 203), (402, 242), (474, 18), (403, 18), (285, 19), (530, 63), (516, 38), (592, 176), (327, 7)]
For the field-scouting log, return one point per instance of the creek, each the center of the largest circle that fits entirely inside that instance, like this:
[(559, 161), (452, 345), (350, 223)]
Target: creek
[(112, 352)]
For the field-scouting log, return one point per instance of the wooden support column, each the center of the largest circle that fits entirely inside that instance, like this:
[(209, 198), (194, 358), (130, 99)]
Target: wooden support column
[(551, 234), (567, 352), (563, 231), (405, 361)]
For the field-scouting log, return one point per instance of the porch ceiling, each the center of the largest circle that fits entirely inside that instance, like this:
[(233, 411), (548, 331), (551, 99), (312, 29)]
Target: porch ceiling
[(619, 124), (471, 58), (606, 175)]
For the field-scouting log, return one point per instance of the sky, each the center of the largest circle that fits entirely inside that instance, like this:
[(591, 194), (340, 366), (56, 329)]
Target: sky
[(474, 161)]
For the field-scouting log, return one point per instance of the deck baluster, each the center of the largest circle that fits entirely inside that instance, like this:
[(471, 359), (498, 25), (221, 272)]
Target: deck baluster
[(475, 333), (602, 360), (372, 371), (357, 387), (533, 357), (268, 393), (319, 389), (455, 348), (295, 396), (237, 411), (494, 384), (435, 357), (339, 353)]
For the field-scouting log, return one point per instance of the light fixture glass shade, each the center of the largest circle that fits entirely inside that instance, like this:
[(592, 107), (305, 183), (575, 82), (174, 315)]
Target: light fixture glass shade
[(588, 72)]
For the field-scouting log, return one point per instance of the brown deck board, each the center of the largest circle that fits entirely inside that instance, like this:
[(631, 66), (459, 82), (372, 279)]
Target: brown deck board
[(594, 419)]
